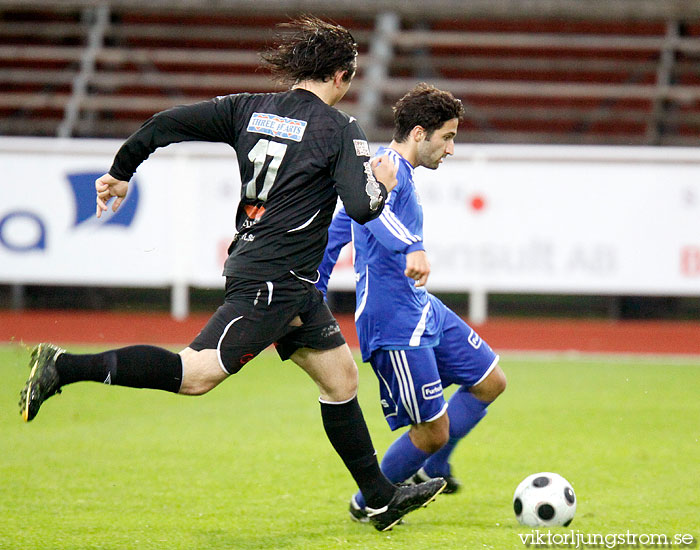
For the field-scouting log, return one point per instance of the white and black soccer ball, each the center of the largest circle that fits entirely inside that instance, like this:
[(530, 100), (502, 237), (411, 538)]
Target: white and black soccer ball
[(544, 499)]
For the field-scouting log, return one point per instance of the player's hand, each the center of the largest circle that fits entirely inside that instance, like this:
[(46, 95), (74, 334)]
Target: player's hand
[(107, 188), (385, 171), (417, 267)]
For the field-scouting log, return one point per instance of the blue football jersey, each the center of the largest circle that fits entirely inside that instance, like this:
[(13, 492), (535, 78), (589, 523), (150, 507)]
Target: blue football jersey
[(391, 313)]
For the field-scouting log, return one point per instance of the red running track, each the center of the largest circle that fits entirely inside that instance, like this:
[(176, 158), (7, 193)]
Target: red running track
[(649, 337)]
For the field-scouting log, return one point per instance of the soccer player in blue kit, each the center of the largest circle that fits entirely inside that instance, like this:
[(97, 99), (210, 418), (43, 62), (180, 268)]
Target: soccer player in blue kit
[(415, 344)]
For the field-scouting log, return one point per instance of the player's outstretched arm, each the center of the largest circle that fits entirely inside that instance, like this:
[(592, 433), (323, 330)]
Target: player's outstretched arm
[(109, 187), (209, 121)]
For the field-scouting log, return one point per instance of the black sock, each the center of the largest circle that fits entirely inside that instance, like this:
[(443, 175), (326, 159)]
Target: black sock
[(133, 366), (346, 429)]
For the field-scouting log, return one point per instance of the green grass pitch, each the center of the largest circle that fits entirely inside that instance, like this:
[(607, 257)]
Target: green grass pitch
[(248, 466)]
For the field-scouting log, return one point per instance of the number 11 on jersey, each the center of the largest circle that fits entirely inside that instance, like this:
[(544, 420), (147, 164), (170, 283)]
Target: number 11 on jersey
[(258, 155)]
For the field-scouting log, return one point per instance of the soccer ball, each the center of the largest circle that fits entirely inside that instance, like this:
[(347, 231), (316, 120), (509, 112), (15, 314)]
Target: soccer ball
[(544, 499)]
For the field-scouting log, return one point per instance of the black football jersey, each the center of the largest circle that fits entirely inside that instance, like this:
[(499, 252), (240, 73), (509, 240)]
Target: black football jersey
[(296, 155)]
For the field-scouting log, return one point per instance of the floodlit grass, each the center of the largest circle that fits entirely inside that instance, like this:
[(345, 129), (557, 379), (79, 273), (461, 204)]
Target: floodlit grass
[(248, 465)]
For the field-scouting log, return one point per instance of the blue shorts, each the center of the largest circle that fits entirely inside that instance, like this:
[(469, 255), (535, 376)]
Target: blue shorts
[(411, 380)]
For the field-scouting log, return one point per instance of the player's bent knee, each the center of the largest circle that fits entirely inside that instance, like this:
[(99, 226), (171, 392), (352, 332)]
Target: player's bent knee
[(439, 440), (344, 386), (433, 443), (352, 377), (430, 437), (200, 371), (195, 388), (498, 382), (491, 387), (334, 371)]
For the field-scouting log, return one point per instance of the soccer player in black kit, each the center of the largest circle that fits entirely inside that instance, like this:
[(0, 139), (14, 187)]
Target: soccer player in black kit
[(296, 155)]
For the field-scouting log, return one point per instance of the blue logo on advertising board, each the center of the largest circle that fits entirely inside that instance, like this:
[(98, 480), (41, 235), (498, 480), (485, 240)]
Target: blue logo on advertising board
[(83, 186), (24, 231), (37, 241)]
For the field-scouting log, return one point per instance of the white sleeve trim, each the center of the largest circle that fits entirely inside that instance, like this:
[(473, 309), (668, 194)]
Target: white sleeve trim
[(393, 230), (399, 225)]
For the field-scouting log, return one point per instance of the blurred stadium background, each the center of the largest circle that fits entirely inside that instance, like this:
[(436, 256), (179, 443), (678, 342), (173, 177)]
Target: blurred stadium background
[(590, 73), (545, 71)]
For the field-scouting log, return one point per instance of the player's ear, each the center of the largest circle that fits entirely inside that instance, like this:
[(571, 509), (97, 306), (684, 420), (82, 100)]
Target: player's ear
[(340, 77), (418, 133)]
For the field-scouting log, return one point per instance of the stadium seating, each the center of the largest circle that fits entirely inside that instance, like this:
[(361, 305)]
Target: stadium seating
[(143, 63), (537, 81), (100, 70)]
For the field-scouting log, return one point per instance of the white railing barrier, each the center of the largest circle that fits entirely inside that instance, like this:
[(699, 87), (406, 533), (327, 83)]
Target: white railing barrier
[(507, 219)]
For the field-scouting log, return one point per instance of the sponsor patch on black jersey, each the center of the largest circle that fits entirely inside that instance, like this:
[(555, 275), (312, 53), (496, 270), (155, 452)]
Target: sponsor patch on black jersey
[(361, 147), (277, 126)]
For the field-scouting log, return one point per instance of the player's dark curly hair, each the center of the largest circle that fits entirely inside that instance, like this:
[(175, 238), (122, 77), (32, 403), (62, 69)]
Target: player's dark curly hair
[(425, 106), (308, 48)]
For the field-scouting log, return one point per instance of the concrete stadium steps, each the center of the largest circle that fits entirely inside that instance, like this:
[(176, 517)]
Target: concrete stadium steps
[(524, 79)]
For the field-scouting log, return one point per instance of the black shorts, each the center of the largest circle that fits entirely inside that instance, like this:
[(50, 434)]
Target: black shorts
[(256, 314)]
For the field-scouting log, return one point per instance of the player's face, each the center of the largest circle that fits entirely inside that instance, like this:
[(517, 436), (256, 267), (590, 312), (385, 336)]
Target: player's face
[(441, 143)]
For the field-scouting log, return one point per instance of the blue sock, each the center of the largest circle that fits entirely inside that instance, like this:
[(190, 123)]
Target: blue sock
[(465, 411), (401, 461)]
